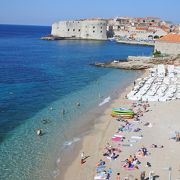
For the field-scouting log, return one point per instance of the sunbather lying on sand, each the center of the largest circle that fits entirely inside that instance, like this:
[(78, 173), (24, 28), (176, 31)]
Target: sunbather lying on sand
[(136, 118), (156, 146), (121, 119), (113, 156), (133, 159), (129, 165), (110, 149), (108, 146), (145, 106), (107, 153), (137, 130), (131, 162), (142, 152), (101, 175), (101, 163), (126, 127)]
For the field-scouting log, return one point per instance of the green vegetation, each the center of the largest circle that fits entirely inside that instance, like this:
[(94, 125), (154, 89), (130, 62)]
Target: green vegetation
[(157, 53)]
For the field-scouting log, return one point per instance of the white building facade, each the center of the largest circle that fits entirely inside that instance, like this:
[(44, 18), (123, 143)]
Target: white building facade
[(140, 34), (95, 29)]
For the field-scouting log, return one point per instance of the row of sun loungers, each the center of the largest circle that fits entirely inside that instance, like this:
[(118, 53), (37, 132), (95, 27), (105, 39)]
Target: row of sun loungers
[(162, 84)]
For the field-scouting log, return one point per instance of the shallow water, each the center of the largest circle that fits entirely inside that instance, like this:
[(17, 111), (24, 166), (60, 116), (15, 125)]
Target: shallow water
[(40, 79)]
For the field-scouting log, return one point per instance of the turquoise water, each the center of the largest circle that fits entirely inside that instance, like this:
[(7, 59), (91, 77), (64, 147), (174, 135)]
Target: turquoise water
[(40, 79)]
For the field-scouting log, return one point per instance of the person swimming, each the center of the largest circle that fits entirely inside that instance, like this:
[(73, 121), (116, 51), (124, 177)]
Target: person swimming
[(63, 111), (39, 132), (51, 108), (45, 121)]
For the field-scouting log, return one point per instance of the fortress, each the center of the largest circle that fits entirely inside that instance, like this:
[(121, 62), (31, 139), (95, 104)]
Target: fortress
[(95, 29), (122, 29)]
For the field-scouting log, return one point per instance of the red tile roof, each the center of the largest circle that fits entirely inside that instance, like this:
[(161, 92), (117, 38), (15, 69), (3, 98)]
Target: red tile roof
[(171, 38), (142, 28)]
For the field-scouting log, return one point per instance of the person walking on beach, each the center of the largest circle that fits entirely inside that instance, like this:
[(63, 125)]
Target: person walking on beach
[(142, 175), (82, 158), (109, 172), (177, 137), (118, 176)]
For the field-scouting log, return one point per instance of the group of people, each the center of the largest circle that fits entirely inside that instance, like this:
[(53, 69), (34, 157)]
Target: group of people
[(102, 172), (126, 127), (131, 162), (112, 152)]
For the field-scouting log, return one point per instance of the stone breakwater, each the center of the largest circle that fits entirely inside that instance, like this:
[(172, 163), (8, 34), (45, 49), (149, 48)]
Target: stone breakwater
[(139, 63), (143, 43), (125, 65)]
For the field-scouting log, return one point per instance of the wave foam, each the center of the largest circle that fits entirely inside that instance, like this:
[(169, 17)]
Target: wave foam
[(106, 100), (69, 143), (55, 173)]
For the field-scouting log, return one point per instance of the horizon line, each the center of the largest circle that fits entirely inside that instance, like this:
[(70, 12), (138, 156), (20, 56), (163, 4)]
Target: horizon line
[(24, 24)]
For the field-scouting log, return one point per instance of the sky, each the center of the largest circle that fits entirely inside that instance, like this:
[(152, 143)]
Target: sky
[(45, 12)]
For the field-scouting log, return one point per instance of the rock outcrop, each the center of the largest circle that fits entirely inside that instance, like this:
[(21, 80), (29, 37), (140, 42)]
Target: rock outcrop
[(126, 65), (135, 63)]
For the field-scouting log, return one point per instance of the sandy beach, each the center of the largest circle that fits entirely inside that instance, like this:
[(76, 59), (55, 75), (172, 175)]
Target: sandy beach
[(164, 120)]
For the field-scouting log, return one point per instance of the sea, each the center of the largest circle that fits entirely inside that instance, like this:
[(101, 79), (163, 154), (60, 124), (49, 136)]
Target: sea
[(53, 86)]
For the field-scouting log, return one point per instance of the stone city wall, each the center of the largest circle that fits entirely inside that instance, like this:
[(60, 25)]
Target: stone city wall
[(171, 48), (139, 58)]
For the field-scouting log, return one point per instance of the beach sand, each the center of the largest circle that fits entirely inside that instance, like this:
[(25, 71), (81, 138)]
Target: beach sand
[(165, 120)]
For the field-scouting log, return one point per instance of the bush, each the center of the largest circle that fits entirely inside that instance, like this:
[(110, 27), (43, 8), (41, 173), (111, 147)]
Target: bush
[(157, 53)]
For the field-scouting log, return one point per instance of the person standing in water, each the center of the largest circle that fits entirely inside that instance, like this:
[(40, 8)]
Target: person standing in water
[(82, 158), (39, 132)]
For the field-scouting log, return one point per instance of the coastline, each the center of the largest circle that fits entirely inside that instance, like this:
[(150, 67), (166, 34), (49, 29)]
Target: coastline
[(94, 139), (39, 157), (142, 43)]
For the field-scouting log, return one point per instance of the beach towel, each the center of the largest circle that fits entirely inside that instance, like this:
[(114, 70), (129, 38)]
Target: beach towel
[(100, 169), (132, 141), (117, 138), (118, 135), (100, 177), (127, 145), (136, 137), (109, 158), (150, 125)]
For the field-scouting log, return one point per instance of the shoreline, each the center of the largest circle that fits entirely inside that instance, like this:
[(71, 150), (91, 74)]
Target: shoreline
[(96, 132), (93, 142), (142, 43)]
